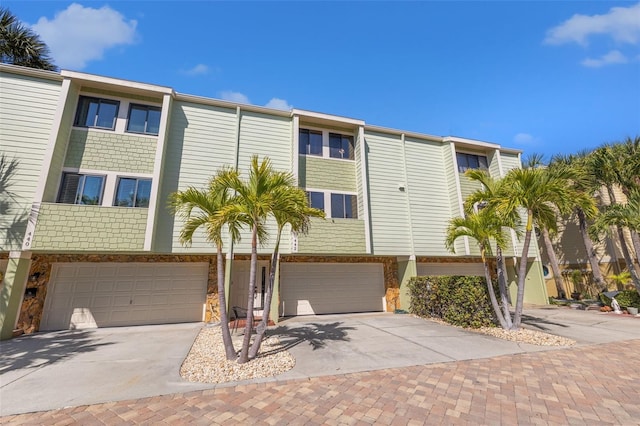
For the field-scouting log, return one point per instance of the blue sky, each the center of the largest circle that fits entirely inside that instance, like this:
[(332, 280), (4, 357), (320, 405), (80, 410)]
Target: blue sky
[(546, 77)]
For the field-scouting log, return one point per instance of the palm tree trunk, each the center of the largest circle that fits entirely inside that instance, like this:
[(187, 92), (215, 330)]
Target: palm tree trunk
[(492, 293), (522, 271), (627, 258), (262, 327), (553, 260), (591, 252), (244, 352), (502, 285), (229, 350), (635, 239)]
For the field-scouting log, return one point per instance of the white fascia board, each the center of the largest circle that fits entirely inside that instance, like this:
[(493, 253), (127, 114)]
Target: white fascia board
[(472, 143), (32, 72), (228, 104), (135, 85), (404, 132), (327, 117)]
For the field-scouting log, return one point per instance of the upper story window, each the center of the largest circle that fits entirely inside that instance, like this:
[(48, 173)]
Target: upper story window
[(344, 206), (144, 119), (316, 199), (96, 112), (133, 192), (471, 161), (310, 142), (340, 146), (81, 189)]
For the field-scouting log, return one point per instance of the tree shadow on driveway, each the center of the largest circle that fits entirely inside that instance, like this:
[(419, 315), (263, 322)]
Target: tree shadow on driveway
[(540, 323), (45, 348), (315, 334)]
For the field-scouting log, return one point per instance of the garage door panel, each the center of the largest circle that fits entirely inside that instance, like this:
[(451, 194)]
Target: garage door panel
[(320, 288), (111, 294)]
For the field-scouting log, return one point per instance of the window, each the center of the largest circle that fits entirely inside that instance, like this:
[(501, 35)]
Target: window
[(471, 161), (310, 142), (316, 200), (143, 119), (95, 112), (340, 146), (81, 189), (132, 192), (344, 206)]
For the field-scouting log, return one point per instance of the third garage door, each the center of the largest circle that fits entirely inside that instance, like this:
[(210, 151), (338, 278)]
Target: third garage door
[(331, 288)]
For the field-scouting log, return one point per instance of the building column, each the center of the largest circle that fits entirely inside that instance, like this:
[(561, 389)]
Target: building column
[(14, 284), (407, 268)]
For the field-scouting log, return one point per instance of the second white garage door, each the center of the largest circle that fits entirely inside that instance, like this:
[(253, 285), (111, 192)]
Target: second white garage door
[(331, 288), (438, 269), (88, 295)]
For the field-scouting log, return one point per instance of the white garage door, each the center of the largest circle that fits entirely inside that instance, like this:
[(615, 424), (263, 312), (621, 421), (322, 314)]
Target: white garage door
[(331, 288), (437, 269), (89, 295)]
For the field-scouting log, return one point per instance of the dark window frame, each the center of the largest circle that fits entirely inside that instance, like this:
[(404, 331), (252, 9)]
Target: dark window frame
[(146, 108), (82, 112), (135, 200), (79, 188), (346, 145), (349, 208), (308, 146), (468, 161), (310, 199)]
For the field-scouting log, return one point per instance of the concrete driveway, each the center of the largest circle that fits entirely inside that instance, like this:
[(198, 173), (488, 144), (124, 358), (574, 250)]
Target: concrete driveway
[(70, 368)]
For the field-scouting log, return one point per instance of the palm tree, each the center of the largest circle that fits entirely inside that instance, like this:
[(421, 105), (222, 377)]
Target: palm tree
[(541, 194), (255, 200), (621, 216), (483, 227), (19, 45), (628, 153), (206, 209), (290, 208), (480, 200)]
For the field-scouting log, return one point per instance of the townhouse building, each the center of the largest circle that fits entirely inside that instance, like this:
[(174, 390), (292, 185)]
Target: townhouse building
[(87, 238)]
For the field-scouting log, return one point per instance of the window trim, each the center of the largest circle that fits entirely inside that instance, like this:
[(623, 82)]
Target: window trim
[(100, 101), (327, 193), (147, 108), (326, 149), (135, 196), (75, 198)]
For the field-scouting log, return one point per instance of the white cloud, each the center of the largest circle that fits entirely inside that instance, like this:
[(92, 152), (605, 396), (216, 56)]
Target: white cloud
[(81, 34), (238, 97), (524, 139), (621, 23), (613, 57), (277, 103), (199, 69)]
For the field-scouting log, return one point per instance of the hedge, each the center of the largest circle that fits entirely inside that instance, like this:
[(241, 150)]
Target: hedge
[(625, 299)]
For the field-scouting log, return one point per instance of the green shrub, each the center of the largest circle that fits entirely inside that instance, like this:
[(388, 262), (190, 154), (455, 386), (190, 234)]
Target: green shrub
[(625, 299), (461, 301)]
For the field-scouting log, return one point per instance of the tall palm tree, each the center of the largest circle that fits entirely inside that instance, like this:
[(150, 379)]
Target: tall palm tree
[(541, 195), (255, 200), (205, 208), (290, 208), (19, 45), (484, 227), (480, 200), (628, 153)]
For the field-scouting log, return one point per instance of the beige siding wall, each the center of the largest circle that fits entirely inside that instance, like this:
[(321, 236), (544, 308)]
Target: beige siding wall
[(389, 217), (68, 227), (333, 236), (27, 109), (428, 189), (104, 150)]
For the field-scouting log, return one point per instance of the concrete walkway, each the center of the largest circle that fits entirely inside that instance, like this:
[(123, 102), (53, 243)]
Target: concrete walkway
[(516, 383)]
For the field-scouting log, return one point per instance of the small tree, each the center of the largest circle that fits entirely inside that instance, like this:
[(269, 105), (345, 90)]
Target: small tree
[(19, 45)]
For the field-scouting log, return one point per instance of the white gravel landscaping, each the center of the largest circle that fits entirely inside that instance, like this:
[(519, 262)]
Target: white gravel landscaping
[(207, 363)]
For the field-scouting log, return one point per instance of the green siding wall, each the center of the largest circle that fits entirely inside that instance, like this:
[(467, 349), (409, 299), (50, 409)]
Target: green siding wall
[(200, 140), (451, 173), (27, 109), (509, 161), (428, 189), (333, 236), (326, 173), (265, 136), (389, 216), (93, 149), (68, 227), (494, 166)]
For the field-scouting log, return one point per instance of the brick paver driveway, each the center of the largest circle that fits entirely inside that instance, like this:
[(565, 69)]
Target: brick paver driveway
[(591, 384)]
